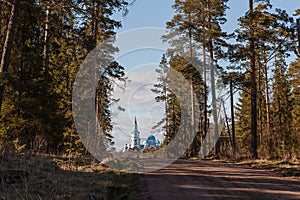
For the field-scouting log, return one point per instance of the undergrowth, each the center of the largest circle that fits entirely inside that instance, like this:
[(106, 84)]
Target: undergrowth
[(50, 177)]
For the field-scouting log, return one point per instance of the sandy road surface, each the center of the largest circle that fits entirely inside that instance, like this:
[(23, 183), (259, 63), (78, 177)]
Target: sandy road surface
[(186, 180)]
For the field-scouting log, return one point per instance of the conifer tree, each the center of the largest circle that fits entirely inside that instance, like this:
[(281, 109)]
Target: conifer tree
[(243, 125), (262, 36), (281, 112), (7, 47), (51, 40), (293, 73), (162, 91), (198, 24)]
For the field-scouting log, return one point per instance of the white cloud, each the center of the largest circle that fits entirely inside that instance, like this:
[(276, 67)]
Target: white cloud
[(138, 101)]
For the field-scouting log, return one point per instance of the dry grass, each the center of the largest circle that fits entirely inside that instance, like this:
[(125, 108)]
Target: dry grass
[(42, 177), (283, 167)]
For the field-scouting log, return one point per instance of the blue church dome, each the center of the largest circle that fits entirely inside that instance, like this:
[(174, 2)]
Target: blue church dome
[(135, 143), (151, 137), (151, 141)]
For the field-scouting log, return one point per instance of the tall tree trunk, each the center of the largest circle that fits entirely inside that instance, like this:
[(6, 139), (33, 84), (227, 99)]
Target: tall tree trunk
[(8, 43), (253, 88), (46, 44), (259, 129), (194, 145), (1, 17), (203, 141), (213, 84), (214, 100), (227, 124), (96, 11), (267, 106), (203, 144), (232, 117), (166, 110), (298, 30), (100, 87)]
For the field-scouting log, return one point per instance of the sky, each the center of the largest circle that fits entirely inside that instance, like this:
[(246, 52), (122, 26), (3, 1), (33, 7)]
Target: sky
[(155, 13), (138, 100)]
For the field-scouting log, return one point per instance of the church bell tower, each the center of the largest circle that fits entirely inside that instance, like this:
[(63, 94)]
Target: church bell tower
[(135, 138)]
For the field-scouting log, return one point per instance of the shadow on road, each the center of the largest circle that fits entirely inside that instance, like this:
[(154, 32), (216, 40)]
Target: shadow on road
[(210, 180)]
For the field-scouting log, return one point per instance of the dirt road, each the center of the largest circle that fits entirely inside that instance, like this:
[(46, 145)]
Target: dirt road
[(186, 180)]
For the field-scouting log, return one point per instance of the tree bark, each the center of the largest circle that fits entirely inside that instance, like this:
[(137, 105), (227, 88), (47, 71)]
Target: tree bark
[(194, 145), (298, 30), (205, 127), (1, 16), (203, 144), (8, 44), (253, 88), (46, 44), (213, 85), (259, 128), (227, 124), (267, 99), (232, 117)]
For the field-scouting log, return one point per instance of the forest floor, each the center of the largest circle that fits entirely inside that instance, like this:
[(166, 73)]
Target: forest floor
[(50, 177), (282, 168), (202, 179)]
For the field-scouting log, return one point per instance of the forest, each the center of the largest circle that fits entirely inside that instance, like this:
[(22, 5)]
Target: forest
[(264, 116), (43, 44)]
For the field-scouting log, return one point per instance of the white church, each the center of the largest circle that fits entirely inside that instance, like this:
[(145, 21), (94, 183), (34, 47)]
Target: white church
[(135, 144)]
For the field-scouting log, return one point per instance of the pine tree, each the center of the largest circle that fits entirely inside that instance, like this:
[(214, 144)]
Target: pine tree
[(198, 24), (282, 134), (181, 28), (162, 91), (188, 72), (50, 43), (262, 36), (243, 125), (293, 73), (7, 47)]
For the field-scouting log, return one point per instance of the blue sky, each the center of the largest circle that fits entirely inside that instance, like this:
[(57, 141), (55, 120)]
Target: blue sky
[(155, 13), (140, 65)]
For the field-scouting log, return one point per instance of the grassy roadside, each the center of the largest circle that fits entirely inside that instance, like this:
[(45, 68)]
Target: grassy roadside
[(285, 168), (282, 167), (43, 177)]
